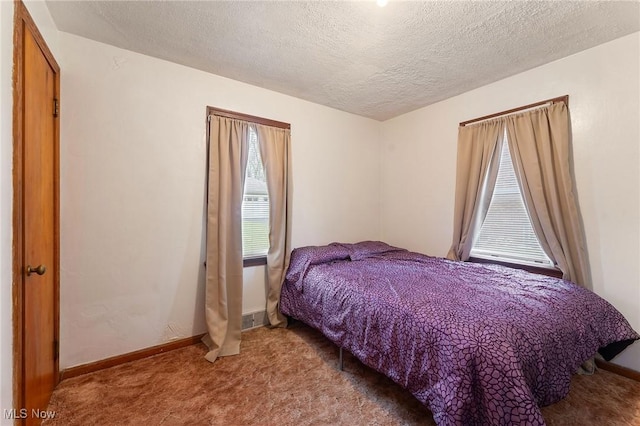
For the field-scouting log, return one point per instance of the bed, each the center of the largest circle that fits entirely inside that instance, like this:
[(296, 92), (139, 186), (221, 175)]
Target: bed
[(477, 344)]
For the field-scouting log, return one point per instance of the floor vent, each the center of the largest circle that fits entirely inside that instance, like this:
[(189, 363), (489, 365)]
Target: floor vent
[(254, 319)]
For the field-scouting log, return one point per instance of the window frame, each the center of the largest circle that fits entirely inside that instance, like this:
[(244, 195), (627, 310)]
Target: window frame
[(552, 271), (253, 260), (512, 256)]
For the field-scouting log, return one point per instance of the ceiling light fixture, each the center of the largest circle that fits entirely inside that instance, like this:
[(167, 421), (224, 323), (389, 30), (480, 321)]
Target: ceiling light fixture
[(381, 3)]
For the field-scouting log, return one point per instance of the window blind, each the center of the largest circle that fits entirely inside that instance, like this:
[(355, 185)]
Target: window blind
[(255, 204), (506, 233)]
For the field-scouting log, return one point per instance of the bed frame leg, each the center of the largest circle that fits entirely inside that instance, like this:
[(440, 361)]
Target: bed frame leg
[(341, 361)]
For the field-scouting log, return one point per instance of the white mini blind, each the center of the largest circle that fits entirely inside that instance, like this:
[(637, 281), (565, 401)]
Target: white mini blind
[(506, 233), (255, 204)]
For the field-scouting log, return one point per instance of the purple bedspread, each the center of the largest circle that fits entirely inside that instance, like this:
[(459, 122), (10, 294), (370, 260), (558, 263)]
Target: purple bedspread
[(478, 344)]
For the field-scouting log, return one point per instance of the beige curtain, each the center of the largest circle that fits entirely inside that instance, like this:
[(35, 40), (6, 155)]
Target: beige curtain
[(539, 142), (476, 173), (275, 151), (228, 152)]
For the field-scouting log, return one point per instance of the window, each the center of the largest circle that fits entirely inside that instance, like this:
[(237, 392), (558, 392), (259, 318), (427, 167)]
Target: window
[(255, 205), (506, 234), (254, 216)]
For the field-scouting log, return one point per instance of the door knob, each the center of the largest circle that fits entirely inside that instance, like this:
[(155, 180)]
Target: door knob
[(40, 270)]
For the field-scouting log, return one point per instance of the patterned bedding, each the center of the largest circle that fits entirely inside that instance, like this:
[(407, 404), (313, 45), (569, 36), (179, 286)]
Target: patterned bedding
[(478, 344)]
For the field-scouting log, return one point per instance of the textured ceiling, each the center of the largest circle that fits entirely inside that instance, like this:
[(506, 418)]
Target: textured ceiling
[(354, 56)]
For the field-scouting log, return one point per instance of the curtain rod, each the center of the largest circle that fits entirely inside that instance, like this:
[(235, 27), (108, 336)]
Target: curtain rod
[(246, 117), (559, 99)]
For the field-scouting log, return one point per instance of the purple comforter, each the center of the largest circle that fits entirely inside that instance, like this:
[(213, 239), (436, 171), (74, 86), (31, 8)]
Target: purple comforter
[(477, 344)]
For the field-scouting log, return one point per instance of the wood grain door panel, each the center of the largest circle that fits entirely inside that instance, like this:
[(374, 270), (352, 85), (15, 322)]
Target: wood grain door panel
[(39, 226)]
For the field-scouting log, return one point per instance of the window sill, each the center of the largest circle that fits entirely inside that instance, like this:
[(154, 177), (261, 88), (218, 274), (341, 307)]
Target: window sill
[(551, 272), (254, 261)]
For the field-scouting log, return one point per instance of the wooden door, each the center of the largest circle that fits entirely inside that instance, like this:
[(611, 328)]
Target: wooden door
[(36, 185)]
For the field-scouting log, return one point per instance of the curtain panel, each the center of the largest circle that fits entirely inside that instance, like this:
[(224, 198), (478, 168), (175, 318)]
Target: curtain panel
[(275, 150), (540, 145), (228, 153), (476, 173)]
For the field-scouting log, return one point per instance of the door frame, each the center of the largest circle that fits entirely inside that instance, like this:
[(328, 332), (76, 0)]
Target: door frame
[(23, 21)]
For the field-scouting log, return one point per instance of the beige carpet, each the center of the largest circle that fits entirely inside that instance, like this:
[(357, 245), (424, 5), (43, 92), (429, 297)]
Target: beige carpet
[(289, 377)]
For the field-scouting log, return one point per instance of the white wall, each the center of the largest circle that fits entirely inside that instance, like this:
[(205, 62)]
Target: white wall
[(419, 162), (6, 196), (133, 162)]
